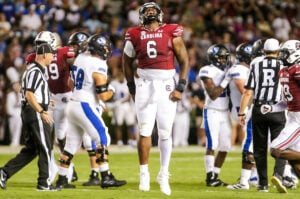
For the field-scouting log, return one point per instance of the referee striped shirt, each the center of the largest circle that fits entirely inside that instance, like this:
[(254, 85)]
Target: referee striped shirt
[(34, 80), (264, 80)]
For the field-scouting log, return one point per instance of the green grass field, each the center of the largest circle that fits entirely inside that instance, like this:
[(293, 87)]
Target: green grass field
[(187, 177)]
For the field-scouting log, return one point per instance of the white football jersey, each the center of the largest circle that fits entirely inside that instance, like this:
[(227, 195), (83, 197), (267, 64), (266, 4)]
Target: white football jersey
[(241, 72), (217, 75), (83, 68), (122, 92)]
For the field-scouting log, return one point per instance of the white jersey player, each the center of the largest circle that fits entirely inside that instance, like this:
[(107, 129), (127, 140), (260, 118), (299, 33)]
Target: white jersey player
[(216, 111), (89, 74)]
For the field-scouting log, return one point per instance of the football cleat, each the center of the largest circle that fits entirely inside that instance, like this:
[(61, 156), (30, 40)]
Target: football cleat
[(215, 183), (74, 175), (163, 181), (238, 186), (111, 181), (62, 183), (93, 180), (144, 181), (278, 184), (3, 179), (48, 188), (288, 182)]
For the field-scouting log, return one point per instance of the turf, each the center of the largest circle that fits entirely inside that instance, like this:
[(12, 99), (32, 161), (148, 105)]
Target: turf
[(187, 177)]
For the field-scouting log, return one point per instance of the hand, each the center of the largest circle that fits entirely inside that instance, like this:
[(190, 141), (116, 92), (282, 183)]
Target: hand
[(46, 117), (265, 108), (175, 96), (242, 120)]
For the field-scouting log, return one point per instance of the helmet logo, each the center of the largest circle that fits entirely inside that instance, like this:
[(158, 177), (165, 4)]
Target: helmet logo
[(101, 40), (81, 37)]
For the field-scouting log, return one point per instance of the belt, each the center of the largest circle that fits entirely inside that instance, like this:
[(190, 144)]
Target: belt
[(261, 102)]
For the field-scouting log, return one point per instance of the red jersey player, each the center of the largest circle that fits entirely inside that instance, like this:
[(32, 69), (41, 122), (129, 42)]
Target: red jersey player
[(155, 46), (287, 144)]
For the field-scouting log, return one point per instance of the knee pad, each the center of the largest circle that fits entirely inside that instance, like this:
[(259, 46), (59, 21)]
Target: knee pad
[(248, 157), (92, 153), (65, 158), (163, 134), (102, 154)]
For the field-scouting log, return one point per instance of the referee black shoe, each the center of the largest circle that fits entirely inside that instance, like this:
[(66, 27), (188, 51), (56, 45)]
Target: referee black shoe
[(110, 181), (3, 179), (62, 183)]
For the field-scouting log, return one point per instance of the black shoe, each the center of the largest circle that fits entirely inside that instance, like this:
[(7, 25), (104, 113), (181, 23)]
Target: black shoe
[(93, 180), (262, 188), (111, 181), (47, 188), (74, 176), (3, 179), (62, 183), (215, 183)]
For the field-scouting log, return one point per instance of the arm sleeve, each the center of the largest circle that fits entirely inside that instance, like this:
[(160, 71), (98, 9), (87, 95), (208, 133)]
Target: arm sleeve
[(129, 49)]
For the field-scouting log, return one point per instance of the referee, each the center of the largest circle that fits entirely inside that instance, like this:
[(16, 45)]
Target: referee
[(37, 123), (264, 88)]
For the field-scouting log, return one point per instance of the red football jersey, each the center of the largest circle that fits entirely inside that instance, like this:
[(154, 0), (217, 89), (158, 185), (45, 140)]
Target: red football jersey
[(154, 49), (291, 90), (58, 72)]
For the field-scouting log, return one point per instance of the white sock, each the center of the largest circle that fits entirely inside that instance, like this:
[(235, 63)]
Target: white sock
[(63, 171), (144, 168), (96, 169), (209, 163), (287, 170), (253, 172), (104, 167), (165, 147), (245, 176), (217, 170)]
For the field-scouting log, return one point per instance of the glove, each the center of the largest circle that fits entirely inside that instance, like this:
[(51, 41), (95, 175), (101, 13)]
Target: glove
[(265, 108), (226, 79), (111, 88)]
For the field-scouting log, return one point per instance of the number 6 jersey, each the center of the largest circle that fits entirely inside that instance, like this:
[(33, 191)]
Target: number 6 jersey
[(154, 49)]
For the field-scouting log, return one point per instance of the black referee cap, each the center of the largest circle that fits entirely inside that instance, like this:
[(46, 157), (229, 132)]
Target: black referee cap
[(44, 48)]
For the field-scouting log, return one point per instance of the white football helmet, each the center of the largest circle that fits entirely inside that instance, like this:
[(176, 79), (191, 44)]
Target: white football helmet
[(46, 37), (289, 52)]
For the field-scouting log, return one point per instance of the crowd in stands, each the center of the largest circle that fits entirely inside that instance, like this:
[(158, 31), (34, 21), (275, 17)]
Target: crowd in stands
[(205, 22)]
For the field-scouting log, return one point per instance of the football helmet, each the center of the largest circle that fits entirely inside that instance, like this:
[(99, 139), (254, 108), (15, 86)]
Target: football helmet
[(257, 49), (219, 56), (99, 45), (244, 52), (289, 52), (46, 37), (146, 19), (79, 39)]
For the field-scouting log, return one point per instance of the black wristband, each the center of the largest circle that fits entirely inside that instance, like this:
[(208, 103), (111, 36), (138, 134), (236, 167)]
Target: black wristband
[(131, 87), (241, 114), (181, 85)]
